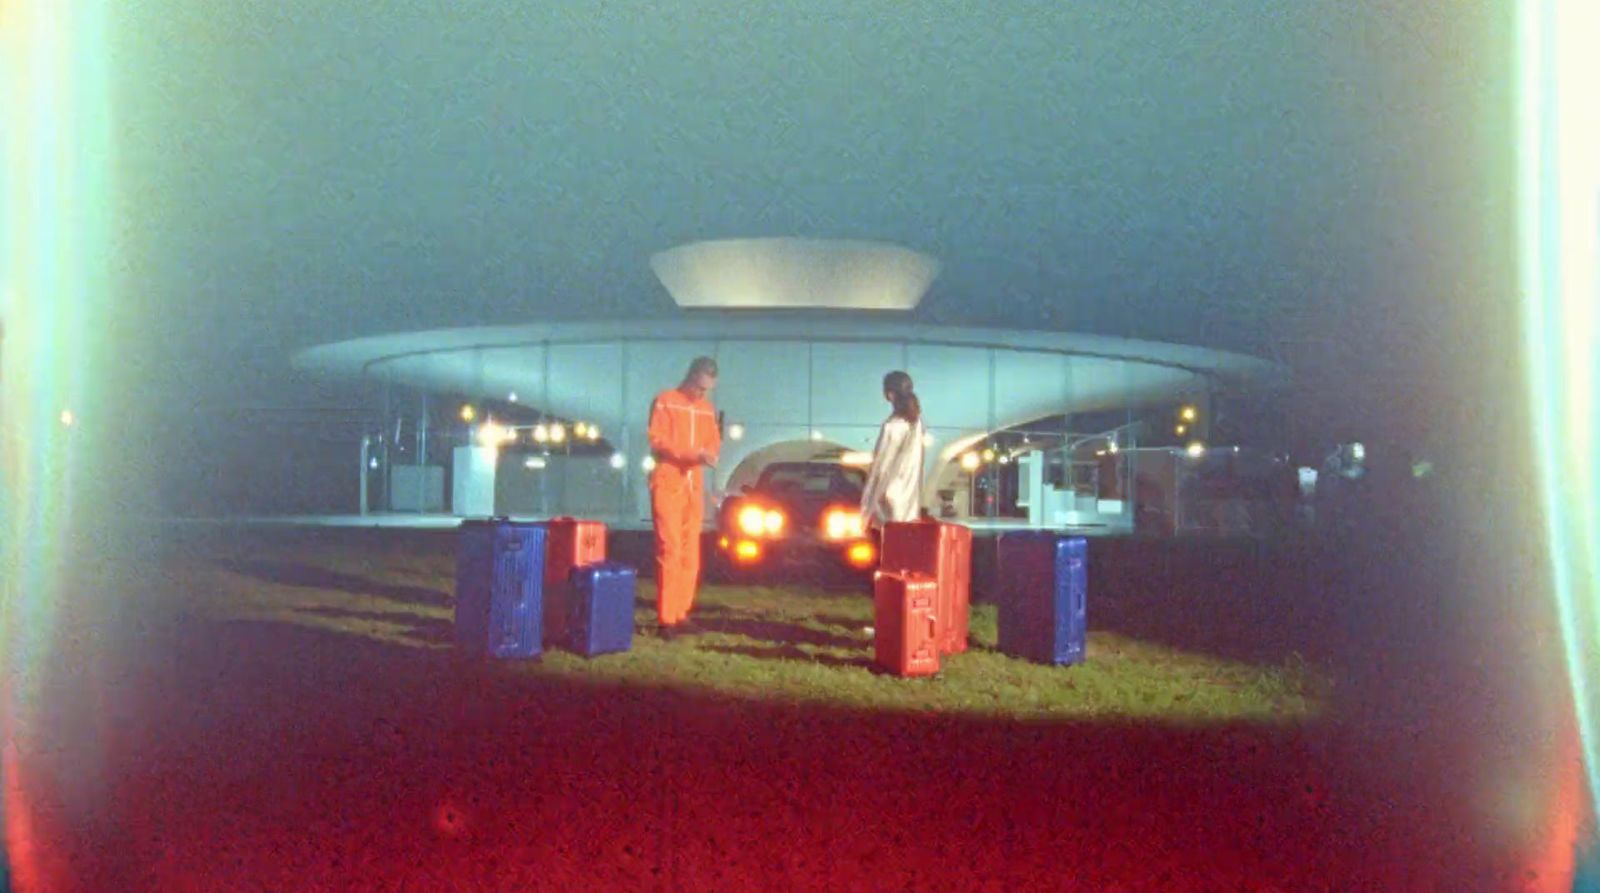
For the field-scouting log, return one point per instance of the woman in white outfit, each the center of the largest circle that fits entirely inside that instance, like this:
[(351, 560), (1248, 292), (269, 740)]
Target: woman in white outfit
[(893, 491)]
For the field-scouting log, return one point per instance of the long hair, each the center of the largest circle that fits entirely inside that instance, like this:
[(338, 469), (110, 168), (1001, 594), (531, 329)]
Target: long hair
[(898, 386)]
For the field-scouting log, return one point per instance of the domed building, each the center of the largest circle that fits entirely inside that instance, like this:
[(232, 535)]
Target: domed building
[(549, 418)]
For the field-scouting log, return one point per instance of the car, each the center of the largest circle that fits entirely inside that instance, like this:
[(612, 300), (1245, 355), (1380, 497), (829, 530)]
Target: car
[(797, 513)]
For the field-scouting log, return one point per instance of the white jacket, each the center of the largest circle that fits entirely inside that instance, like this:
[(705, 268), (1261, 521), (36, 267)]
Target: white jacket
[(893, 491)]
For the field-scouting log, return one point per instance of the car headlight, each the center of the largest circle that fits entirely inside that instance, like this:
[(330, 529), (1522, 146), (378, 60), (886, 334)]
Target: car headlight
[(752, 520), (843, 524), (757, 521)]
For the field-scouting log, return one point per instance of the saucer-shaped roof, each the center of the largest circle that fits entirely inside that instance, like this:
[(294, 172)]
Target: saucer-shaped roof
[(785, 273)]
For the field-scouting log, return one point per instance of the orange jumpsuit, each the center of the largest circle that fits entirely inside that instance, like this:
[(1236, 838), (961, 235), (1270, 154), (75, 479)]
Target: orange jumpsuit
[(680, 428)]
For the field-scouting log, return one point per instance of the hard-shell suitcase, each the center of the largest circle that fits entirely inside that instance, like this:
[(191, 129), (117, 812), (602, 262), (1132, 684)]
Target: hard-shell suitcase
[(1043, 590), (944, 552), (499, 588), (572, 543), (903, 611), (600, 619)]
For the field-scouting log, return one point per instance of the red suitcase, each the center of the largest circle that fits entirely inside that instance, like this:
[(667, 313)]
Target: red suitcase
[(571, 543), (902, 608), (941, 551)]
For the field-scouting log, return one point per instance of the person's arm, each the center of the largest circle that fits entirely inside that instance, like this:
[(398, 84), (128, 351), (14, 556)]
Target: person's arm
[(889, 438), (715, 450), (660, 435)]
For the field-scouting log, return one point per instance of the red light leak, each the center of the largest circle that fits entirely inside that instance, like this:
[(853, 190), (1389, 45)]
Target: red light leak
[(1552, 862), (20, 847), (303, 784), (37, 850)]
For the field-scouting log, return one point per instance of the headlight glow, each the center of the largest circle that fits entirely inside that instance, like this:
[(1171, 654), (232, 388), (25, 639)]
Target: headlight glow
[(752, 520), (756, 520), (842, 524)]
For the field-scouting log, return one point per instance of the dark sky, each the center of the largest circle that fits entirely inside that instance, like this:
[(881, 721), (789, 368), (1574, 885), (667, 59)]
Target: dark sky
[(300, 171)]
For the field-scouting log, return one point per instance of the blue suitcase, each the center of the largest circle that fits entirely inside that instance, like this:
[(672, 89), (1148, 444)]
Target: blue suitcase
[(1043, 587), (500, 588), (600, 618)]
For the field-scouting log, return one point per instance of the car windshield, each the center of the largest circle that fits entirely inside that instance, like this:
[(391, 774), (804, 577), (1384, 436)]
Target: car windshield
[(817, 480)]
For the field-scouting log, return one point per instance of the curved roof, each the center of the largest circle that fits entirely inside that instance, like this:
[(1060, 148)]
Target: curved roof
[(785, 375), (357, 356), (814, 273)]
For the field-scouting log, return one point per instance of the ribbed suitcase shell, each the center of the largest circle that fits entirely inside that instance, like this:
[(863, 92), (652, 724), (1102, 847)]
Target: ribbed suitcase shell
[(903, 611), (1043, 592), (572, 543), (600, 619), (499, 588), (941, 551)]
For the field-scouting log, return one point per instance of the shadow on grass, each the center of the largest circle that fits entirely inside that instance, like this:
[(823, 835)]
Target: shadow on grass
[(791, 653), (817, 582), (289, 573), (427, 629), (714, 618), (842, 621)]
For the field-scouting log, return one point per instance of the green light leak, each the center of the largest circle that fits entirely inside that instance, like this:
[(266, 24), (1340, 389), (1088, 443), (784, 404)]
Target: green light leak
[(1559, 226), (54, 207)]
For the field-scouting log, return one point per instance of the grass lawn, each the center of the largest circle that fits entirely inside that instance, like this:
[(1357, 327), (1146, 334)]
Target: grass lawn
[(790, 643), (287, 712)]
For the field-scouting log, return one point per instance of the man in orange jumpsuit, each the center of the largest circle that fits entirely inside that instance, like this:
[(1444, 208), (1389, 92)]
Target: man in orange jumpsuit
[(685, 443)]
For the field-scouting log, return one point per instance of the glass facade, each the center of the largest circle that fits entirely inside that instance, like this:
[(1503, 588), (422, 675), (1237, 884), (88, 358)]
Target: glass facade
[(1016, 435)]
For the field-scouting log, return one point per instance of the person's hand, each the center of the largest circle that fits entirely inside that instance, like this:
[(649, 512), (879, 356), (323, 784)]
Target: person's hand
[(708, 458)]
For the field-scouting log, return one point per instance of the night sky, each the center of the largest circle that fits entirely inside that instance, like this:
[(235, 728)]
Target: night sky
[(1211, 171)]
